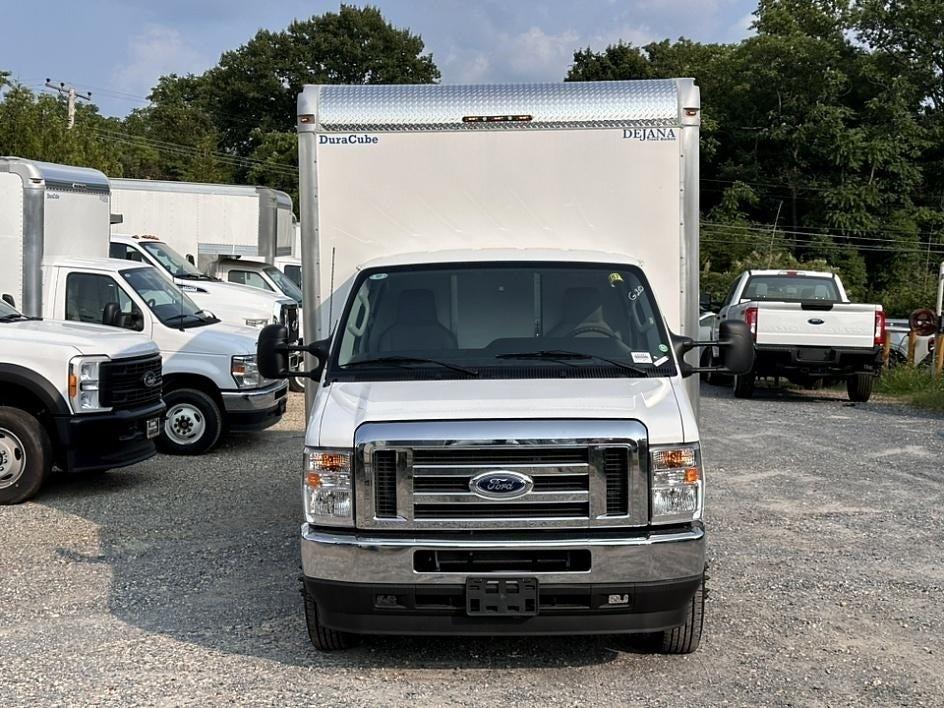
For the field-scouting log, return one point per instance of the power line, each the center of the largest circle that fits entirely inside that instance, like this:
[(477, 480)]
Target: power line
[(70, 95), (765, 228)]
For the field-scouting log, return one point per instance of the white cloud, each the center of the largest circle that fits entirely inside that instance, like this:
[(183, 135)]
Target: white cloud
[(156, 51)]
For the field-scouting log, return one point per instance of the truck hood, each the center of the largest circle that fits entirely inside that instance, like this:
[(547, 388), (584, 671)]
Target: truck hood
[(251, 297), (89, 339), (341, 407), (219, 338)]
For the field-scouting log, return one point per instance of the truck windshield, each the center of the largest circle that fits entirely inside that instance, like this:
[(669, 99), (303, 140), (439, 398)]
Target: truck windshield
[(782, 288), (173, 262), (165, 300), (508, 320), (288, 288)]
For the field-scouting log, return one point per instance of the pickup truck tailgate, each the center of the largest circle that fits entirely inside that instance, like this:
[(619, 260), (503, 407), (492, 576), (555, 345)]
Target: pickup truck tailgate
[(815, 324)]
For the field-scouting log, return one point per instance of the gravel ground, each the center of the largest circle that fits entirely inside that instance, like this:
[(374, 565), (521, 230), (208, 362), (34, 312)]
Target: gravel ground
[(175, 583)]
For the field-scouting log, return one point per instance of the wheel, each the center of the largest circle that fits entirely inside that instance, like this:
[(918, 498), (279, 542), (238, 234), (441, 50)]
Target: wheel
[(322, 638), (296, 385), (193, 423), (707, 376), (685, 638), (859, 387), (744, 385), (25, 455)]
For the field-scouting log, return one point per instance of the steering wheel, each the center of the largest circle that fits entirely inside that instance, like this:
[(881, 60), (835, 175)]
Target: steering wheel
[(591, 328), (151, 302)]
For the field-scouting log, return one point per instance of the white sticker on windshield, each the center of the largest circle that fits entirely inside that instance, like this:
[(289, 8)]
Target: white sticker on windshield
[(378, 276), (642, 358), (660, 361)]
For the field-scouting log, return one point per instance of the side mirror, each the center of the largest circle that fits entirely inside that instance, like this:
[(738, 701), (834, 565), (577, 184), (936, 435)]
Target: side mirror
[(272, 352), (190, 258), (111, 315), (734, 343), (9, 299), (737, 350)]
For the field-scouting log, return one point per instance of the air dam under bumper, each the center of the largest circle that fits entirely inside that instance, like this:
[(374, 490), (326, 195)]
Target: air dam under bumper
[(255, 409), (104, 441), (370, 583)]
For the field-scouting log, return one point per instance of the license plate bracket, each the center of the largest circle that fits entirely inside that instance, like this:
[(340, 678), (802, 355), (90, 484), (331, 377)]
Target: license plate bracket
[(501, 597), (152, 427)]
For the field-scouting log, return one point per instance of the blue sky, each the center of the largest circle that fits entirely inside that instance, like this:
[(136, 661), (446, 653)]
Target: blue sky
[(118, 48)]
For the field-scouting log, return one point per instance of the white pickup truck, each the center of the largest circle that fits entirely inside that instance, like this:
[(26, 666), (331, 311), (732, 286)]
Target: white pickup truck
[(805, 330)]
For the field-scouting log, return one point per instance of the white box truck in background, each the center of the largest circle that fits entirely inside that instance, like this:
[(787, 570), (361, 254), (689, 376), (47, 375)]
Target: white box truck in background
[(503, 439), (218, 227), (56, 263), (76, 396)]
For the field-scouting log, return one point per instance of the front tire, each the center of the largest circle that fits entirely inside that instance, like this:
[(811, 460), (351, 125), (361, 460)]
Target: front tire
[(685, 638), (322, 638), (859, 387), (193, 423), (744, 385), (25, 455), (296, 385)]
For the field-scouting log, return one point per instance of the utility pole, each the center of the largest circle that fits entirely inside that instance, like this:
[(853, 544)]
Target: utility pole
[(71, 94)]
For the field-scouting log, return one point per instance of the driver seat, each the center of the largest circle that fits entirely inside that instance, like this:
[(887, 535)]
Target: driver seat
[(581, 307)]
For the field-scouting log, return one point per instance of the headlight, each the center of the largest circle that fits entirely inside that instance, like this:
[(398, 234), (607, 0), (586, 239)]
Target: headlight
[(677, 483), (245, 371), (85, 384), (326, 487), (256, 321)]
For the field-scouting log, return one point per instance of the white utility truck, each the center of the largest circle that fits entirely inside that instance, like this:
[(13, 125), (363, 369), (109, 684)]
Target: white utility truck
[(77, 397), (805, 329), (56, 261), (502, 440), (232, 232)]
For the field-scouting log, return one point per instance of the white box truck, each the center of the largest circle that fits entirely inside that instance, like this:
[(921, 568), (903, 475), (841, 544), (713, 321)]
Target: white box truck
[(504, 282), (233, 232), (56, 263), (74, 396)]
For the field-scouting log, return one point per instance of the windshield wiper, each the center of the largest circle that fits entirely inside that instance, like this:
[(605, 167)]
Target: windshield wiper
[(563, 355), (15, 317), (396, 360), (194, 276)]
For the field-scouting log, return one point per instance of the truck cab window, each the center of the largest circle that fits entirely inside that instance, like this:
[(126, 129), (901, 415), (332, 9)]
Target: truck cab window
[(125, 253), (248, 277), (99, 299)]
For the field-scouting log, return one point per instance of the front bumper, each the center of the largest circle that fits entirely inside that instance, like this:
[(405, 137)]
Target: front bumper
[(103, 441), (822, 361), (255, 409), (369, 583)]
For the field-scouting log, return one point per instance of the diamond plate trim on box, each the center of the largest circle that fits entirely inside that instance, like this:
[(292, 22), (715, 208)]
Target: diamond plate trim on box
[(435, 107)]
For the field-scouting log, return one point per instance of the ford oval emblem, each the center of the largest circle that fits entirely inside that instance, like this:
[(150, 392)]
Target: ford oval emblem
[(501, 484), (815, 321), (151, 379)]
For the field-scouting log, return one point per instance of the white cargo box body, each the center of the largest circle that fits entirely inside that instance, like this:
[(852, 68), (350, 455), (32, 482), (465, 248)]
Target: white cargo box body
[(603, 166), (207, 220), (47, 210)]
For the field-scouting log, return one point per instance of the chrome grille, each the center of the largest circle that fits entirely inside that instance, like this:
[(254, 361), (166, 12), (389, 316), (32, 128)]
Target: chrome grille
[(418, 475)]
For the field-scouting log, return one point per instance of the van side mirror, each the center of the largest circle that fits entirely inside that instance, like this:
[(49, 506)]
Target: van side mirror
[(272, 352), (734, 343), (190, 258), (9, 299), (737, 350), (111, 315)]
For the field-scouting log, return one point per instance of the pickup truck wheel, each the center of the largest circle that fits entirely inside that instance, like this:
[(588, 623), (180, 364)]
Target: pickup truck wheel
[(859, 387), (322, 638), (296, 385), (193, 423), (744, 385), (25, 455), (685, 638)]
